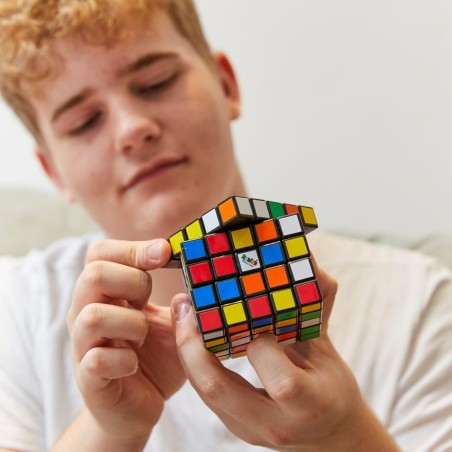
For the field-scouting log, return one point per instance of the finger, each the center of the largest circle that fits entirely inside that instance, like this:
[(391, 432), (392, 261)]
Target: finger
[(98, 323), (101, 365), (328, 288), (282, 380), (148, 255), (102, 282), (228, 394)]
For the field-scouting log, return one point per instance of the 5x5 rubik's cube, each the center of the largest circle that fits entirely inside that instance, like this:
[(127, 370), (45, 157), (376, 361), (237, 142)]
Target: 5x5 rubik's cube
[(247, 267)]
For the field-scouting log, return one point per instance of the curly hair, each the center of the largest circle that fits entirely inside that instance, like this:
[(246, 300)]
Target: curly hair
[(28, 27)]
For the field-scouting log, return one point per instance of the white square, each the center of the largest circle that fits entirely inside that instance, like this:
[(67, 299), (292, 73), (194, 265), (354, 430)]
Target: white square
[(261, 209), (214, 335), (248, 261), (301, 270), (244, 206), (244, 340), (290, 225), (210, 221), (311, 322)]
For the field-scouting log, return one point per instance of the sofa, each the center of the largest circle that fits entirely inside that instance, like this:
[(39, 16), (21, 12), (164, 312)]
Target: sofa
[(33, 219)]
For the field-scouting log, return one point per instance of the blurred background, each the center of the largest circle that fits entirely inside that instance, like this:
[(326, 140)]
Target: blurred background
[(347, 106)]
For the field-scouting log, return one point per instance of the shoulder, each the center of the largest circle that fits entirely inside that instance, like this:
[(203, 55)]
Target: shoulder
[(352, 260), (335, 251), (42, 281), (68, 253)]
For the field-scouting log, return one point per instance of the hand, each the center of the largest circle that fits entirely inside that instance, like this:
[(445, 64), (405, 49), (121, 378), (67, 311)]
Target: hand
[(310, 399), (123, 348)]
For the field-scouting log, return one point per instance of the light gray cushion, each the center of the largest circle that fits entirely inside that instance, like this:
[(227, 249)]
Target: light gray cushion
[(33, 219)]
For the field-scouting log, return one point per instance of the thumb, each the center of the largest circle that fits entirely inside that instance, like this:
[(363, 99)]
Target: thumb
[(188, 340)]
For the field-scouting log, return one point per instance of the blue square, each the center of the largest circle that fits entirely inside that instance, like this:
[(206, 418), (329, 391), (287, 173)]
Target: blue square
[(262, 322), (194, 250), (228, 290), (272, 254), (204, 297)]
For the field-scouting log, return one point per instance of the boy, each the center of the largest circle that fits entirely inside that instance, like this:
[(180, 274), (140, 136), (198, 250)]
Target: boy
[(131, 114)]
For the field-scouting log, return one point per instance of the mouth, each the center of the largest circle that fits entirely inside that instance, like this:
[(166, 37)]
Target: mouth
[(156, 168)]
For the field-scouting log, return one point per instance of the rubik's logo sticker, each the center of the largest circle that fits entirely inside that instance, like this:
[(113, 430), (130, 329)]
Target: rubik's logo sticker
[(247, 268)]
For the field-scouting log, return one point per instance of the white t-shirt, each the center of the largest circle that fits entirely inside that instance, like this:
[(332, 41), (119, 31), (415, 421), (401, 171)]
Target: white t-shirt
[(392, 323)]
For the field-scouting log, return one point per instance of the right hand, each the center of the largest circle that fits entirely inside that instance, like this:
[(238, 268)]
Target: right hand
[(123, 348)]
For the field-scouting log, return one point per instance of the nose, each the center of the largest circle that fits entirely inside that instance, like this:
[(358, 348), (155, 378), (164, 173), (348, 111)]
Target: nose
[(135, 132)]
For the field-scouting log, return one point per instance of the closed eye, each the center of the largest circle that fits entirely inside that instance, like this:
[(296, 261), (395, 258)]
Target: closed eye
[(156, 88), (86, 125)]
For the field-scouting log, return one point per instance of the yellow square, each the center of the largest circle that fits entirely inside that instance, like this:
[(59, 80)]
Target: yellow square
[(234, 313), (220, 341), (194, 230), (175, 242), (242, 238), (308, 215), (296, 247), (283, 299)]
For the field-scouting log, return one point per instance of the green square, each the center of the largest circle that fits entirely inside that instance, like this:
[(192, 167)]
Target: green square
[(276, 209), (307, 337), (286, 315), (310, 315)]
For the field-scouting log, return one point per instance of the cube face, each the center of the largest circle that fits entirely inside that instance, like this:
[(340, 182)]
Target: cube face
[(247, 267)]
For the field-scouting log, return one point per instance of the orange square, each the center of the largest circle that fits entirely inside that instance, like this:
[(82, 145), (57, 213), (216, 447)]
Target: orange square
[(253, 283), (277, 276), (227, 210), (266, 231)]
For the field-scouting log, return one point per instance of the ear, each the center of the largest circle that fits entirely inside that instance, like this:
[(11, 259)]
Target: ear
[(229, 83), (48, 166)]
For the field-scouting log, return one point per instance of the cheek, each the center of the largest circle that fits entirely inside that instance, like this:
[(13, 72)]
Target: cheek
[(202, 124), (84, 173)]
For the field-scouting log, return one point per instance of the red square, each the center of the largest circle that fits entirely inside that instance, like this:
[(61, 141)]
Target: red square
[(218, 243), (259, 307), (224, 265), (308, 293), (291, 209), (200, 273), (210, 320)]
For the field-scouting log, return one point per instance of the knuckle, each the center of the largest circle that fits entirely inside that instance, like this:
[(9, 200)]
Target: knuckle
[(285, 389), (95, 362), (280, 436), (92, 317), (96, 251), (144, 280), (211, 388), (132, 255), (95, 274), (333, 285)]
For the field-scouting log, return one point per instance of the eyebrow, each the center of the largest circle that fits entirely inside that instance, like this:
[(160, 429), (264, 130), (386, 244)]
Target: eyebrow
[(146, 60), (72, 102), (142, 62)]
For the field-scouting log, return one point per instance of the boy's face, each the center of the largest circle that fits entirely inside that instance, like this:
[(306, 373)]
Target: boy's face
[(139, 133)]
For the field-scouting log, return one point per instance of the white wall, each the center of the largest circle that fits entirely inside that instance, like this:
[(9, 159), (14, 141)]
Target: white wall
[(347, 107)]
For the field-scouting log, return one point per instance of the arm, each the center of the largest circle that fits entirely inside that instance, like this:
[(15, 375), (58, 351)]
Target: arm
[(310, 400), (123, 351)]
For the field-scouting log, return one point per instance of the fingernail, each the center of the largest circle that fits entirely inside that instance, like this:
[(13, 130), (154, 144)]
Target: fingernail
[(183, 308), (154, 251)]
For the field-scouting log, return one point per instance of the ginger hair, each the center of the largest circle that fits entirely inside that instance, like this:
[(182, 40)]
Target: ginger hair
[(28, 27)]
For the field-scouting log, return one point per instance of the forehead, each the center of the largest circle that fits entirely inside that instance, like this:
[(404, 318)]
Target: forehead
[(74, 60)]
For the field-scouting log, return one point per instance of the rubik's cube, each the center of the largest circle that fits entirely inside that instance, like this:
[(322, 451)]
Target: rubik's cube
[(247, 268)]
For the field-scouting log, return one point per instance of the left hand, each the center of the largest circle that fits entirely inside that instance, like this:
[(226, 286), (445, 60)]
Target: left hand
[(310, 399)]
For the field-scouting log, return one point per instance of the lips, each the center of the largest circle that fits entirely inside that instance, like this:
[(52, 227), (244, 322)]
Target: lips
[(153, 169)]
